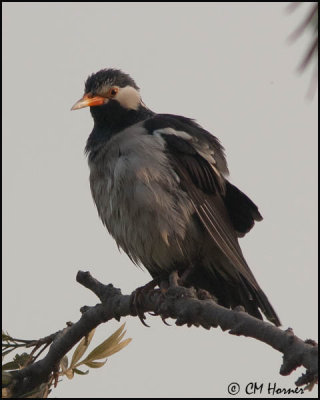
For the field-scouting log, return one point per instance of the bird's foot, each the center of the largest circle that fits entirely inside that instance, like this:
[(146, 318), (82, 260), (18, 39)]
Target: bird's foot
[(165, 283), (136, 300), (185, 274), (181, 281)]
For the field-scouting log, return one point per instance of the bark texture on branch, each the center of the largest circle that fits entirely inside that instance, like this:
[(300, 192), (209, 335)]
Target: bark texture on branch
[(186, 306)]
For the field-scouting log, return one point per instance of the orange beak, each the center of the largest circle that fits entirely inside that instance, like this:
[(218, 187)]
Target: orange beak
[(87, 101)]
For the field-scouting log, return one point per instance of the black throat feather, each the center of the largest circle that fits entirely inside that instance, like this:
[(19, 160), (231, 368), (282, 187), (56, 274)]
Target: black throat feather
[(110, 119)]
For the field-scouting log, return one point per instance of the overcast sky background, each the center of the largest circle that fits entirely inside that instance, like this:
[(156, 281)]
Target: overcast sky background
[(230, 67)]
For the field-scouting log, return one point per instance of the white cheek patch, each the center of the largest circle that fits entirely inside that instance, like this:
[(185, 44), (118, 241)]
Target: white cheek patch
[(129, 98)]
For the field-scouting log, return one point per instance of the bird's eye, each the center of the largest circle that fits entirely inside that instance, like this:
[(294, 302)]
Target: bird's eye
[(113, 91)]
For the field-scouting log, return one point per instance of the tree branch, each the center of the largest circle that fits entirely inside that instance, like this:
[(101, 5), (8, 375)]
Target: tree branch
[(186, 306)]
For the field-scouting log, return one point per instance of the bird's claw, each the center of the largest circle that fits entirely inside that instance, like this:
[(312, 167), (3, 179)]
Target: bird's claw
[(136, 303), (164, 320)]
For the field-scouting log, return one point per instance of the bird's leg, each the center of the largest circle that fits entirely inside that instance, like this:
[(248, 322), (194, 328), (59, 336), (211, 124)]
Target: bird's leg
[(175, 281), (137, 296), (186, 273), (164, 285)]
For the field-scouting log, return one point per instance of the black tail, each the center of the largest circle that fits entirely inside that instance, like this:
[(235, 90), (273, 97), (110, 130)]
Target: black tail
[(254, 300), (231, 294), (242, 211), (266, 307)]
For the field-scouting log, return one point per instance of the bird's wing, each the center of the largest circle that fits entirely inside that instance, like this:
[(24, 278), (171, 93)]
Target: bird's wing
[(203, 155), (198, 159)]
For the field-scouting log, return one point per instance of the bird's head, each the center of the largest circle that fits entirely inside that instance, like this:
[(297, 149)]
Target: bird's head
[(109, 92)]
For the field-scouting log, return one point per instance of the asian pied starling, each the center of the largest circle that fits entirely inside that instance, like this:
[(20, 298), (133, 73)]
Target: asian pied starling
[(160, 185)]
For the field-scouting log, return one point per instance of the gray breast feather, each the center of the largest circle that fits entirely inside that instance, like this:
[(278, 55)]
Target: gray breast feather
[(138, 198)]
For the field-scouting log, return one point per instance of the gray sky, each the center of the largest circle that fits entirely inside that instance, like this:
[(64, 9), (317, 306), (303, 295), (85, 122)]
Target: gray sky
[(230, 67)]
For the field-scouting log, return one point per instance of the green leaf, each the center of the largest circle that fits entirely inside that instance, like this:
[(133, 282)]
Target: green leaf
[(95, 364), (81, 349), (21, 359), (116, 348), (79, 372), (7, 378), (64, 364), (10, 365), (109, 346), (69, 373)]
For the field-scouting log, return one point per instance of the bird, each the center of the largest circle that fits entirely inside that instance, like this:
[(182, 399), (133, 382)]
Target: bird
[(161, 186)]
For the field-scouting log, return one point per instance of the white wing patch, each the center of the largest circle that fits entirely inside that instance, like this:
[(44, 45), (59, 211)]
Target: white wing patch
[(171, 131), (203, 149)]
